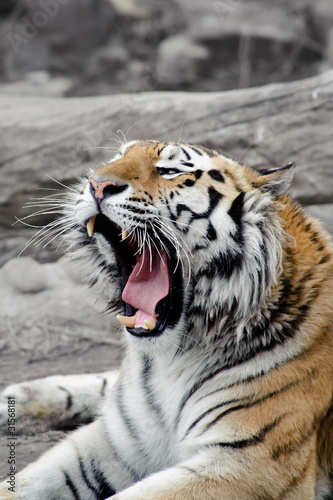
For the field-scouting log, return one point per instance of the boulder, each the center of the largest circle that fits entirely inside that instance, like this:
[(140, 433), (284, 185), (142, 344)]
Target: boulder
[(320, 19), (179, 61), (46, 311), (54, 35)]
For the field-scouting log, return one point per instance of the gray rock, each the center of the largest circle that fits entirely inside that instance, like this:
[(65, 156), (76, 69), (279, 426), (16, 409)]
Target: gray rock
[(252, 42), (179, 60), (45, 313), (72, 269), (320, 19), (55, 36), (26, 275), (34, 85), (221, 19), (106, 60)]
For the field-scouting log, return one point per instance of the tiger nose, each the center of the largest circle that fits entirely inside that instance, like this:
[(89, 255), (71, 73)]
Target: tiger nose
[(101, 190)]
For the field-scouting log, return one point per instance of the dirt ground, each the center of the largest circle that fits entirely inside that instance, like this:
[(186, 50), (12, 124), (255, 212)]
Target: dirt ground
[(57, 330), (16, 368)]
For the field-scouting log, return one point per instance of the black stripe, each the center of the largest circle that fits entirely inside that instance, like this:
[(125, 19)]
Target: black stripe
[(211, 234), (267, 171), (196, 150), (189, 182), (126, 419), (217, 368), (238, 407), (187, 163), (207, 412), (286, 448), (194, 388), (149, 196), (251, 441), (214, 198), (123, 462), (104, 487), (236, 213), (85, 478), (147, 366), (210, 152), (216, 175), (104, 384), (222, 265), (69, 402), (244, 406), (189, 469), (186, 154), (71, 486)]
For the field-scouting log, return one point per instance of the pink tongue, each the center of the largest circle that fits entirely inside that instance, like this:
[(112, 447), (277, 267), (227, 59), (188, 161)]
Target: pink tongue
[(148, 282)]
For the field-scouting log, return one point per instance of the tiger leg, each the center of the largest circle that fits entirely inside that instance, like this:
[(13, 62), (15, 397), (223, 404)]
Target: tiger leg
[(230, 474), (56, 400), (83, 467)]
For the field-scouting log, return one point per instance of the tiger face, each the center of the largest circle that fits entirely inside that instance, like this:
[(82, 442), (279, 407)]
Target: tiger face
[(180, 228)]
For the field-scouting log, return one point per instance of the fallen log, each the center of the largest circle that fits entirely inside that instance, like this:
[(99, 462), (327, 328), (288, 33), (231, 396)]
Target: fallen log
[(263, 127)]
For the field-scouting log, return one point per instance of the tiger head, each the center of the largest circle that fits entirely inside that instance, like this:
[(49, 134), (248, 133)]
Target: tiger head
[(189, 237)]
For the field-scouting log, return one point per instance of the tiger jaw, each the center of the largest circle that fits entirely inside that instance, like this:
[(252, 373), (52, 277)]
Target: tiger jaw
[(149, 292), (90, 224), (131, 322)]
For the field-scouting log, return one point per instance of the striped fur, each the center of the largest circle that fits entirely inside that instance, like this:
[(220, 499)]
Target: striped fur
[(230, 397)]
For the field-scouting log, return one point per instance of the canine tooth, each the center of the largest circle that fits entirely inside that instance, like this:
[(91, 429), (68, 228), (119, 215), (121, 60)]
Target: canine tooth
[(128, 321), (150, 323), (124, 234), (90, 225)]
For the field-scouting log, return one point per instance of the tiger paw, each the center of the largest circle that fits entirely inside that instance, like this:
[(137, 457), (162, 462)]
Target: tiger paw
[(31, 401)]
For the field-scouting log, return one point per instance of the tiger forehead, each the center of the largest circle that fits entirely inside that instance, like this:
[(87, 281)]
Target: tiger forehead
[(159, 154), (140, 162)]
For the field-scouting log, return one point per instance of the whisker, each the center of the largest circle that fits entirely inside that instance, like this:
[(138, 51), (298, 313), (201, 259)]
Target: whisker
[(70, 188)]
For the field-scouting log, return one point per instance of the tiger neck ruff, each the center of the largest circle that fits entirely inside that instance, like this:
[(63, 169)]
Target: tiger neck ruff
[(223, 288)]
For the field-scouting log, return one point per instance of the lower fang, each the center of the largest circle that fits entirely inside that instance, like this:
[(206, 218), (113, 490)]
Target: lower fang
[(150, 323), (128, 321)]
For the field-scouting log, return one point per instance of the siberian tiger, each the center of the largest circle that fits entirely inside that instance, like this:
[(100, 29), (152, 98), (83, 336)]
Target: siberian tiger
[(225, 287)]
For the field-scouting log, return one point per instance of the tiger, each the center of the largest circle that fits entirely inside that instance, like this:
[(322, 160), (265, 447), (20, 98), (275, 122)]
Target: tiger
[(223, 287)]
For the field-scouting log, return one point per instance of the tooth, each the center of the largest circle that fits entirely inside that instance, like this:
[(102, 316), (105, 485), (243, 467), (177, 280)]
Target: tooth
[(90, 225), (128, 321), (124, 234), (150, 323)]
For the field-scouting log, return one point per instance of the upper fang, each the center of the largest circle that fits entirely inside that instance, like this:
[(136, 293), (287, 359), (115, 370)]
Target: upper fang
[(124, 234), (90, 225)]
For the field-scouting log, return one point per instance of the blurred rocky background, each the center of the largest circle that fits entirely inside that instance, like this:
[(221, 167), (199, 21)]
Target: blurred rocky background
[(52, 51), (90, 47), (79, 48), (251, 78)]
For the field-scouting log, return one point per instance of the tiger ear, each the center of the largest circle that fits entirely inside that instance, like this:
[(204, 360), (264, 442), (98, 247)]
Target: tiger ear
[(276, 180)]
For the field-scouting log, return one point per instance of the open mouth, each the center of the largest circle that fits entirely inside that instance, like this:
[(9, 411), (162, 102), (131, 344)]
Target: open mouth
[(151, 278)]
